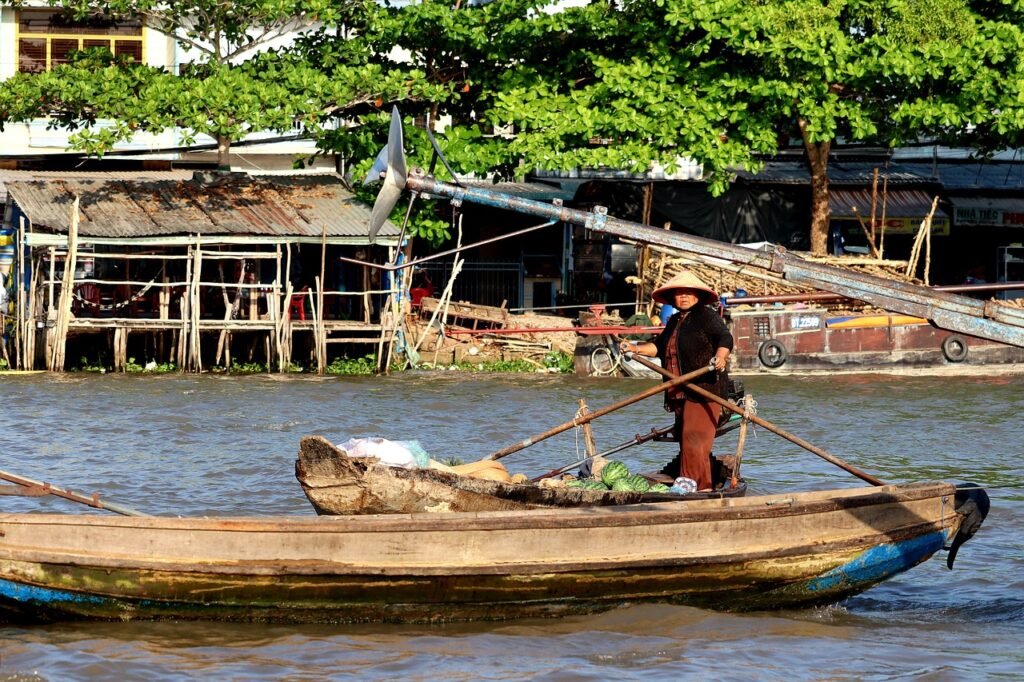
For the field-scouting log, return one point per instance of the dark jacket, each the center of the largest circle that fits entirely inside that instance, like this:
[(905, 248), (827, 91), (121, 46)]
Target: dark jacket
[(701, 334)]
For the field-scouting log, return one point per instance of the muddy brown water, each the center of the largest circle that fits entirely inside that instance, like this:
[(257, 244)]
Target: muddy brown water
[(226, 446)]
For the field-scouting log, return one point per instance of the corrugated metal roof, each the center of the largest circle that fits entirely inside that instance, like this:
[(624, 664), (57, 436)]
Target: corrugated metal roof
[(7, 176), (990, 203), (904, 203), (954, 176), (839, 173), (279, 206)]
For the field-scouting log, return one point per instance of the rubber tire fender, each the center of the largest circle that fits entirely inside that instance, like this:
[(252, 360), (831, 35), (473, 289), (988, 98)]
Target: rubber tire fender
[(772, 354), (954, 348)]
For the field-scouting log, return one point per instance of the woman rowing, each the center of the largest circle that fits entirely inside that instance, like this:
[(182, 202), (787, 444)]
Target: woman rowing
[(694, 337)]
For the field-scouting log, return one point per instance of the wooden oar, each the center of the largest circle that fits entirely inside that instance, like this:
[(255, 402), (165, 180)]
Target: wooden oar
[(39, 488), (761, 422), (600, 413)]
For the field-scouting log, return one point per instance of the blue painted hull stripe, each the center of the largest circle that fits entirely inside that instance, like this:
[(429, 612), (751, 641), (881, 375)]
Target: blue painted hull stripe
[(44, 595), (880, 562)]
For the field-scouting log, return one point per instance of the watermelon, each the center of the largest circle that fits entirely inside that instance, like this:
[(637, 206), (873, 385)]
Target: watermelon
[(613, 471), (576, 484), (638, 483), (622, 485), (595, 485), (659, 488)]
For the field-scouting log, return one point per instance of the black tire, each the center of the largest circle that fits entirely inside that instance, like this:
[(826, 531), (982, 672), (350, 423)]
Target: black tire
[(772, 354), (954, 348)]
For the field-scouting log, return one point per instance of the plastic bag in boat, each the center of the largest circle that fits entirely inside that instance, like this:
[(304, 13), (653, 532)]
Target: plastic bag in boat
[(407, 454)]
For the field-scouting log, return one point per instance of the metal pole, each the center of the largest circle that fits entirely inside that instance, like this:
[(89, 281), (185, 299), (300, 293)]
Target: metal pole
[(985, 319)]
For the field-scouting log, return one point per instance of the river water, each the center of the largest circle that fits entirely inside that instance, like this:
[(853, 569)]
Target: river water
[(185, 445)]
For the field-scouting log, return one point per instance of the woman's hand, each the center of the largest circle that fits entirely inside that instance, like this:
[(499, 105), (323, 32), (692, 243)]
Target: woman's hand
[(627, 347), (721, 359)]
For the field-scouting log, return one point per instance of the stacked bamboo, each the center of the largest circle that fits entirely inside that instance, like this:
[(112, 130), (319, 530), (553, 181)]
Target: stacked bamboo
[(728, 278)]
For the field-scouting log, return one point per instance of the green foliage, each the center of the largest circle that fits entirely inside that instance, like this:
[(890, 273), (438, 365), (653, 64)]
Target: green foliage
[(133, 367), (87, 365), (365, 365), (3, 363), (231, 92), (563, 362)]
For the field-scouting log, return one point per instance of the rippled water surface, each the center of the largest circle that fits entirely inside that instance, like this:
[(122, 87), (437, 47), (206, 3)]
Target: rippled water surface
[(226, 446)]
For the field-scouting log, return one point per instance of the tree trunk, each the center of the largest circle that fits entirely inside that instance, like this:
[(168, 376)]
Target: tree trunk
[(223, 153), (817, 162)]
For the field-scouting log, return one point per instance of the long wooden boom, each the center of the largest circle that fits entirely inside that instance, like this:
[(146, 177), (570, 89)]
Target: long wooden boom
[(985, 319)]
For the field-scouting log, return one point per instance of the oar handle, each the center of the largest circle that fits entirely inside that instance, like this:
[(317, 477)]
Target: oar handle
[(655, 390), (92, 501), (766, 424)]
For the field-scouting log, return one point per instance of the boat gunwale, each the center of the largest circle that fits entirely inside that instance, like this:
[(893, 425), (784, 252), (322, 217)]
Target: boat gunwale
[(646, 514)]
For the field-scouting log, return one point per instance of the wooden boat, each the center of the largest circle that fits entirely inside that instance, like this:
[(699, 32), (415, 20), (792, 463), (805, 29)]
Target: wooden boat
[(765, 551), (338, 484)]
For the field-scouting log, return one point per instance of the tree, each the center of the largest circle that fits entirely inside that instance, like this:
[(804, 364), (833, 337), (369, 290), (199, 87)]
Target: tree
[(236, 85), (726, 82)]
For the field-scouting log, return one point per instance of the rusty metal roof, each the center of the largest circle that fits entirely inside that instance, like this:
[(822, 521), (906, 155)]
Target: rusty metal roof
[(8, 176), (235, 204)]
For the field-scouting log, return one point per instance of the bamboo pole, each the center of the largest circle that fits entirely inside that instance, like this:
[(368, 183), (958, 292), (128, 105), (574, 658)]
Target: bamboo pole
[(588, 431), (321, 344), (732, 407), (19, 286), (578, 421), (66, 295), (881, 234), (317, 303), (195, 338), (874, 201), (29, 359), (185, 310)]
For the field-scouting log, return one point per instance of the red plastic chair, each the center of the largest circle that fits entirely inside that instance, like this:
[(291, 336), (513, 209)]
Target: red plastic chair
[(297, 305), (88, 300), (416, 295)]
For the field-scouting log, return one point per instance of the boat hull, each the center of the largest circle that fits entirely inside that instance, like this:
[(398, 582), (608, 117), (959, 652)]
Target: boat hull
[(735, 554), (338, 484)]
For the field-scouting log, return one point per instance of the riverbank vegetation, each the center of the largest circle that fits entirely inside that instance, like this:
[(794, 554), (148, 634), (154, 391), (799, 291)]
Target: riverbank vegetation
[(366, 365)]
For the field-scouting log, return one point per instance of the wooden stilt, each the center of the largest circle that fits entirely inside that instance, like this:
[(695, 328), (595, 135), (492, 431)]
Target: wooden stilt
[(196, 354)]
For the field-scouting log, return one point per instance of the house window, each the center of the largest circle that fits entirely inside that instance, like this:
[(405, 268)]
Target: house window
[(46, 38), (762, 328)]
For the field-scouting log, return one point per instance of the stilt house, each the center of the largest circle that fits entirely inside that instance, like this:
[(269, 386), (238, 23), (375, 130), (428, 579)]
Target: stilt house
[(203, 272)]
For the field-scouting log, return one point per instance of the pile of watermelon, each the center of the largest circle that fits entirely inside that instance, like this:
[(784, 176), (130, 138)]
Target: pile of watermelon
[(616, 477)]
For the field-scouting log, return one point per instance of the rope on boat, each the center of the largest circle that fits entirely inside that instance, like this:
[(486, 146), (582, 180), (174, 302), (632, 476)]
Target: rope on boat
[(749, 408), (615, 362)]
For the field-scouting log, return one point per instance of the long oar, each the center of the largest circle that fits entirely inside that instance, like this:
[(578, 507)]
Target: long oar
[(40, 488), (636, 440), (600, 413), (762, 422)]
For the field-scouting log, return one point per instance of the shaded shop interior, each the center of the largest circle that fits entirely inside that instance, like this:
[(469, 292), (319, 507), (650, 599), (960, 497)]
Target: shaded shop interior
[(977, 229)]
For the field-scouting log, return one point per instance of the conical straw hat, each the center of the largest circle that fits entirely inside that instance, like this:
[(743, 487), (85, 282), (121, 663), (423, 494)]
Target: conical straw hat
[(684, 280)]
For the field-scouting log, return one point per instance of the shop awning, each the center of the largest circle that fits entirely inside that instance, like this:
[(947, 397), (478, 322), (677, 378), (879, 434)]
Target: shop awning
[(904, 209), (996, 211)]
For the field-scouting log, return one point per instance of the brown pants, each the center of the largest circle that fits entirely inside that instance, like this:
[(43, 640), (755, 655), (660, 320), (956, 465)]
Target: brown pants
[(695, 428)]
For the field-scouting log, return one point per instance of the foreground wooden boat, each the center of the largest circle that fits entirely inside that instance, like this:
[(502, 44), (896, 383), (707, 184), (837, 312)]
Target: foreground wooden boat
[(338, 484), (758, 552)]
